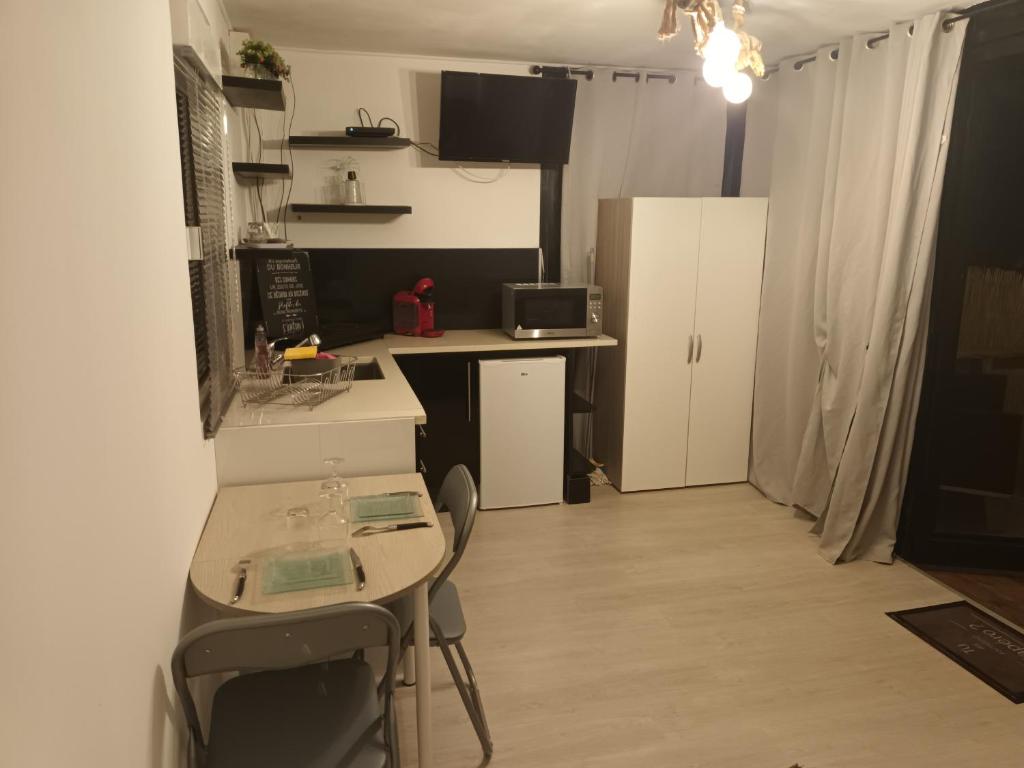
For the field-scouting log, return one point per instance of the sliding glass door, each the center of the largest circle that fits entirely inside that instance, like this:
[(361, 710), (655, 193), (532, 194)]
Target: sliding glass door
[(964, 504)]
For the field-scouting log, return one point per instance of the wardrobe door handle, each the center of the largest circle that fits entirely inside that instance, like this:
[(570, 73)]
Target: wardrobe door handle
[(689, 351), (700, 345), (469, 391)]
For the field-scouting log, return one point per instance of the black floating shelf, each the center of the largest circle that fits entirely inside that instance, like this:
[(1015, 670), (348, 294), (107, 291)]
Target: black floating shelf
[(393, 210), (253, 92), (348, 142), (580, 405), (261, 171)]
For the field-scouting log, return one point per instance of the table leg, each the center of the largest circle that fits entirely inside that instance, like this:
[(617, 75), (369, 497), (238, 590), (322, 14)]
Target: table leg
[(422, 649)]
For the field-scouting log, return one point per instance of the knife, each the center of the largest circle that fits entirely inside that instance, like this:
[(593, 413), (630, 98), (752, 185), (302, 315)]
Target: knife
[(369, 530), (240, 584), (357, 564)]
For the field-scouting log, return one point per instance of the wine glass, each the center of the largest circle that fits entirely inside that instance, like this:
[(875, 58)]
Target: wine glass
[(334, 523), (334, 482)]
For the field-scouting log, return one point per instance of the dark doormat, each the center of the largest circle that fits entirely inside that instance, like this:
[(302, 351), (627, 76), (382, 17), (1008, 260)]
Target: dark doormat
[(981, 644)]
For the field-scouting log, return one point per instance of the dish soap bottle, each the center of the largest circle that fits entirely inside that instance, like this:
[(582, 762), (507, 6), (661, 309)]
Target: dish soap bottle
[(354, 190), (261, 349)]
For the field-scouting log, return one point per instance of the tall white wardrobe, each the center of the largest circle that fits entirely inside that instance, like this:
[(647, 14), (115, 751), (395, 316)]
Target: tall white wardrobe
[(682, 291)]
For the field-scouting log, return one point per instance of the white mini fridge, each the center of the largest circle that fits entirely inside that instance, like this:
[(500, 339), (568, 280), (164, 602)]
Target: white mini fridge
[(522, 431)]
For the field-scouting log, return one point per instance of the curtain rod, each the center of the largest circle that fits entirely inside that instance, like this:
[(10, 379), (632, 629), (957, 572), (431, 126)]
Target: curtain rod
[(539, 69), (959, 14)]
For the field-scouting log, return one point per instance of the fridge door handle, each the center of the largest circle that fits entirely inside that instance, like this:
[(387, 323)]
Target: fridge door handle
[(689, 351), (700, 346), (469, 391)]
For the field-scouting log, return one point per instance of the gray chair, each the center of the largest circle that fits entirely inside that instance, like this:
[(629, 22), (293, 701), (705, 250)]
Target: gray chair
[(299, 701), (458, 496)]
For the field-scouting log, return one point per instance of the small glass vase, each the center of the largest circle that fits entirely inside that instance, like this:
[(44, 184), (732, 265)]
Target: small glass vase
[(258, 72)]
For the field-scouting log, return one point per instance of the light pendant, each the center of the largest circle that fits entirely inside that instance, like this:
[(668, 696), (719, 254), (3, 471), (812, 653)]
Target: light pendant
[(723, 46), (738, 88), (716, 73)]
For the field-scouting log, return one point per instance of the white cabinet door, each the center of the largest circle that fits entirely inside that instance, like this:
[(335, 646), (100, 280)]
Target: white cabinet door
[(728, 301), (662, 286)]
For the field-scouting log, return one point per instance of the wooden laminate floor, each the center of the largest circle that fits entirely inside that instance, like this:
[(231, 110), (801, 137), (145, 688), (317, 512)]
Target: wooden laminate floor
[(699, 627), (998, 592)]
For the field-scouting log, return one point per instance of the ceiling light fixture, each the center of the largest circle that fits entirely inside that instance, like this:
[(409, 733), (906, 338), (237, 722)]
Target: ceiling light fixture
[(726, 52)]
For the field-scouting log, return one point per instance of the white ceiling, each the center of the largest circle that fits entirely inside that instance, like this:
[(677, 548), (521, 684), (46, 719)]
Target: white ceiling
[(617, 32)]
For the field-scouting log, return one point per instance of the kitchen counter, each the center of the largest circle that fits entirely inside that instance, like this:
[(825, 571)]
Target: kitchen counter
[(486, 340), (371, 400), (392, 397)]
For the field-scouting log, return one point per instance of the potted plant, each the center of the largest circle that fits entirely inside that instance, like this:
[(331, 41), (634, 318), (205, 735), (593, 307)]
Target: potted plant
[(261, 60)]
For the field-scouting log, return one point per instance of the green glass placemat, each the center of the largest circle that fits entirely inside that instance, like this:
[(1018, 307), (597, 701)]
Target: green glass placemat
[(296, 571), (367, 508)]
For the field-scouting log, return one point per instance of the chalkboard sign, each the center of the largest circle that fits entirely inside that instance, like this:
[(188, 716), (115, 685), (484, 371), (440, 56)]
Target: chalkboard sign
[(285, 285)]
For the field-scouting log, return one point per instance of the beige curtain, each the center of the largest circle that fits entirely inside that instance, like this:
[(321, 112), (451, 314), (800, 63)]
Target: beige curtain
[(637, 139), (848, 269)]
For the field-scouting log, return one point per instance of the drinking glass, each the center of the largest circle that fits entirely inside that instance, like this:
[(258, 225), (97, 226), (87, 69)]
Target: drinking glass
[(299, 523)]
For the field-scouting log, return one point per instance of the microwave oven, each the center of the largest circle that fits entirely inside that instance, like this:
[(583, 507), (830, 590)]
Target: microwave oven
[(551, 310)]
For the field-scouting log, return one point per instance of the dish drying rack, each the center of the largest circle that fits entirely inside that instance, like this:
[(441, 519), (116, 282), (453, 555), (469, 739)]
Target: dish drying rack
[(280, 387)]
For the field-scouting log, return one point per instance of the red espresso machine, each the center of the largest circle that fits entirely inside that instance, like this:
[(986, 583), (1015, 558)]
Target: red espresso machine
[(413, 311)]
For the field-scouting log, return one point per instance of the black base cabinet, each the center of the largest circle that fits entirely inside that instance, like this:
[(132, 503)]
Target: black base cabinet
[(447, 387)]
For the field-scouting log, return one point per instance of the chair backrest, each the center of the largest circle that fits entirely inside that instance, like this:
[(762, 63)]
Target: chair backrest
[(281, 641), (458, 496)]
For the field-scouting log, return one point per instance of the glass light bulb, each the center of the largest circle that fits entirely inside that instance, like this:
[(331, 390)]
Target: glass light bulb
[(738, 88), (723, 45), (716, 73)]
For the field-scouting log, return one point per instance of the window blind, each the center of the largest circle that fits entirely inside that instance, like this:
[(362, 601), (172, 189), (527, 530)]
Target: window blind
[(201, 142)]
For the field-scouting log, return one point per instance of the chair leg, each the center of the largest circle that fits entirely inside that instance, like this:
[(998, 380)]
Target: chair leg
[(467, 698), (474, 691), (391, 731)]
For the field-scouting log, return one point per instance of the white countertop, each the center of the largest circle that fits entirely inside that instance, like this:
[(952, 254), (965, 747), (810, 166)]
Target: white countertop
[(392, 397)]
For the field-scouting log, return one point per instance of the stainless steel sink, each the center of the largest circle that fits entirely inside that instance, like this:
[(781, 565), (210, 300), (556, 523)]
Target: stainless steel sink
[(368, 370)]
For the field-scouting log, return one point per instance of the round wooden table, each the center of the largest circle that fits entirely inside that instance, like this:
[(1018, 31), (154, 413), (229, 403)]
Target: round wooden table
[(247, 520)]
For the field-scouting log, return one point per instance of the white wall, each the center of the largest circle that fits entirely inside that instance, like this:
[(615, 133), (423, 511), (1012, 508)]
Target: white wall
[(106, 477), (448, 211)]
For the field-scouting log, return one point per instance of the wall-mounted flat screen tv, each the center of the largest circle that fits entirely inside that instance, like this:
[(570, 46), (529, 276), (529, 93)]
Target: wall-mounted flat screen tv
[(505, 118)]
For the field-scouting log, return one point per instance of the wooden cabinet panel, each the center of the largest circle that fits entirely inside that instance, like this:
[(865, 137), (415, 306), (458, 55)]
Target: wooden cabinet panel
[(662, 287), (682, 286), (725, 329)]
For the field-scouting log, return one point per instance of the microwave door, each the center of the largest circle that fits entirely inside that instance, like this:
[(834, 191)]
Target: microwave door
[(541, 313)]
